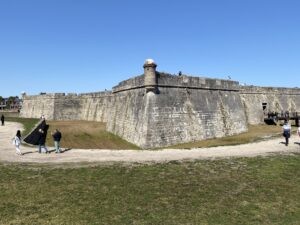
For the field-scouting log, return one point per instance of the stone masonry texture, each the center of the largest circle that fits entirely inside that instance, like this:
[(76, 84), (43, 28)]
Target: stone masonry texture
[(182, 109)]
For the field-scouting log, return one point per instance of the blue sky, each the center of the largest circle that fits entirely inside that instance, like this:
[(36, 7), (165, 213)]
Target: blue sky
[(90, 45)]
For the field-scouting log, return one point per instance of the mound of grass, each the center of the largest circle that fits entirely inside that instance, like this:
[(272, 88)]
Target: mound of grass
[(87, 135), (249, 191), (255, 133), (93, 135)]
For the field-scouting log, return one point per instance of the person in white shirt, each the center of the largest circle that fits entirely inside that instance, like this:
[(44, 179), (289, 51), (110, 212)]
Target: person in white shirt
[(17, 142), (286, 128)]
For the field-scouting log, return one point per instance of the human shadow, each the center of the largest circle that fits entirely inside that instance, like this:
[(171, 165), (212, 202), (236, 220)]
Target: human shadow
[(65, 150), (26, 153), (297, 143), (61, 150), (51, 150)]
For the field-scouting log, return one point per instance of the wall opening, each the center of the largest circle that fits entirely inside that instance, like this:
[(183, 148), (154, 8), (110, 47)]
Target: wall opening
[(264, 106)]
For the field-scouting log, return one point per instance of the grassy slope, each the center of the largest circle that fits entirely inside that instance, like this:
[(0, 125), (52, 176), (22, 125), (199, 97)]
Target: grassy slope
[(255, 133), (78, 134), (232, 191), (87, 135), (92, 135)]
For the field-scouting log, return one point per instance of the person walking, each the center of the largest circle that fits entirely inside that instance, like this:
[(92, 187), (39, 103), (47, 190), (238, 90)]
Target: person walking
[(42, 141), (56, 138), (286, 132), (17, 142), (2, 120)]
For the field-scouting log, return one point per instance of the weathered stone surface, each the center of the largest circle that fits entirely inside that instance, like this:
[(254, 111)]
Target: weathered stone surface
[(38, 105), (276, 99), (182, 109)]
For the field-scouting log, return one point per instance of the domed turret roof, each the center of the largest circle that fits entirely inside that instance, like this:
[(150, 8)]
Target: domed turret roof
[(149, 61)]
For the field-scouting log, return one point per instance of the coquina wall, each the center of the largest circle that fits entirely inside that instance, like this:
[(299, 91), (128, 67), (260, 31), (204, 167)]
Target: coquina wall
[(37, 105), (275, 100), (91, 106), (183, 109), (159, 109)]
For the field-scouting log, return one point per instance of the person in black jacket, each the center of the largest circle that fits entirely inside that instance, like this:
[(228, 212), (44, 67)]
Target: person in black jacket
[(2, 120), (56, 138), (42, 141)]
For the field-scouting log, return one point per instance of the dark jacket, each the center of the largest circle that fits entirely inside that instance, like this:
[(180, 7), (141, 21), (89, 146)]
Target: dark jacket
[(42, 138), (287, 133), (56, 136)]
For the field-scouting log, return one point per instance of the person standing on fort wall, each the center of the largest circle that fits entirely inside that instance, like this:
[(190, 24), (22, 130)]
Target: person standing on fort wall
[(286, 132), (56, 138), (2, 120), (42, 141)]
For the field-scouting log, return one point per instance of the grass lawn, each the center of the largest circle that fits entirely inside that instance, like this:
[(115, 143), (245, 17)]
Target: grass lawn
[(254, 191)]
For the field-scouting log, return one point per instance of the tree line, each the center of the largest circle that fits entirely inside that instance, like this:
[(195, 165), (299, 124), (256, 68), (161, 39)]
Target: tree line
[(8, 101)]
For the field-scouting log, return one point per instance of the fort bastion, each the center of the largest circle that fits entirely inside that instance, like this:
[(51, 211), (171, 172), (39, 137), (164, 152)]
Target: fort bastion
[(159, 109)]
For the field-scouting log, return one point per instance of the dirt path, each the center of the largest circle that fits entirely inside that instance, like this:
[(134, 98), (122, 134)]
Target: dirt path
[(7, 151)]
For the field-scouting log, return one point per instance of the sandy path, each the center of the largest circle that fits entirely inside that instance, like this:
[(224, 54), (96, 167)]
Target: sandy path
[(7, 151)]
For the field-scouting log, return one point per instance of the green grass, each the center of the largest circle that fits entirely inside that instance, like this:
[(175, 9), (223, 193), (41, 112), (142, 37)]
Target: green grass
[(232, 191)]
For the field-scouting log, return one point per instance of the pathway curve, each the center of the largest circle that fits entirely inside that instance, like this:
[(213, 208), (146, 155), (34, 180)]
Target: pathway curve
[(7, 151)]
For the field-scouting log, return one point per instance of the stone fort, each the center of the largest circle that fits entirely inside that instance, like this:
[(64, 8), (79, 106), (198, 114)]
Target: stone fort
[(158, 109)]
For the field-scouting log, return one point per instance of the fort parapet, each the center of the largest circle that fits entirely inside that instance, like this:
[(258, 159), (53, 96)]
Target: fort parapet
[(159, 109)]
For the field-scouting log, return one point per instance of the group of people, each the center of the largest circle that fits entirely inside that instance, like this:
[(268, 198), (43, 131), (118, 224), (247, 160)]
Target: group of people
[(42, 140), (56, 135), (286, 132)]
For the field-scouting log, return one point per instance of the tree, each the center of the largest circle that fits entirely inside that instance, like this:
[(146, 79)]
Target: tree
[(10, 101)]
